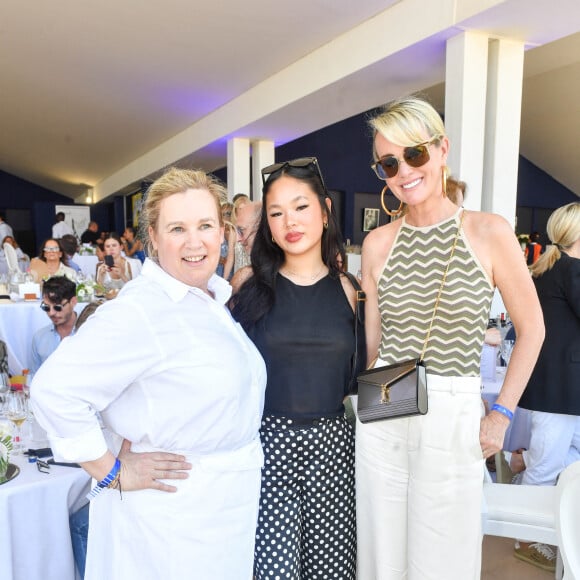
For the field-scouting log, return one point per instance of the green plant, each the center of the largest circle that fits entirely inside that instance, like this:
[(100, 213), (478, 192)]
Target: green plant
[(5, 448)]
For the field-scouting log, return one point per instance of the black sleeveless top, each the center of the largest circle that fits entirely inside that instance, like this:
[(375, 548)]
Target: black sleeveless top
[(307, 340)]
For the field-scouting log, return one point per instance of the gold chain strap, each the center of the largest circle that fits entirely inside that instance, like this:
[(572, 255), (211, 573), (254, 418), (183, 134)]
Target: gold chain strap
[(437, 300)]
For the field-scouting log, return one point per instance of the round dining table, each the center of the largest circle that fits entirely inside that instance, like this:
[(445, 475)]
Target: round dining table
[(35, 542)]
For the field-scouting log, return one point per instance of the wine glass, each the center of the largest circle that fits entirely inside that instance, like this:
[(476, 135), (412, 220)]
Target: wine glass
[(4, 387), (16, 410), (506, 348)]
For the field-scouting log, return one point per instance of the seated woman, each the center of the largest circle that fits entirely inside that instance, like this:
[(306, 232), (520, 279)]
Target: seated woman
[(51, 261), (132, 246), (117, 272), (23, 259)]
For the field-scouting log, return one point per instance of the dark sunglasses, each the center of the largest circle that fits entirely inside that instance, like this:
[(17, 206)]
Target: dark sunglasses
[(56, 307), (308, 162), (42, 466), (414, 156)]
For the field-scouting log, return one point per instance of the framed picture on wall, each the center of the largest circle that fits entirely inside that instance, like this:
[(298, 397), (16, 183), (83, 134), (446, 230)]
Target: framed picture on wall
[(76, 216), (370, 219)]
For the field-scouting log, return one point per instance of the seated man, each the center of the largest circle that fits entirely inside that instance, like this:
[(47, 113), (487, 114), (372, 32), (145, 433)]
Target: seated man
[(58, 301), (91, 234), (70, 247)]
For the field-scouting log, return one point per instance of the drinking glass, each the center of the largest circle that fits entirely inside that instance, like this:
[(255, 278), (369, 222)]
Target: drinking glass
[(16, 410), (4, 388), (506, 348)]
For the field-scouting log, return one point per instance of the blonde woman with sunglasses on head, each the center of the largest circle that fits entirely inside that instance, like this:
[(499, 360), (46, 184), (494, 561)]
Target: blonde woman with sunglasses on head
[(419, 479)]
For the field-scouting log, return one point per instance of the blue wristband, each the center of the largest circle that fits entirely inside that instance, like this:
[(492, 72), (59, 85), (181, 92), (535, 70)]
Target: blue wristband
[(503, 410), (106, 481)]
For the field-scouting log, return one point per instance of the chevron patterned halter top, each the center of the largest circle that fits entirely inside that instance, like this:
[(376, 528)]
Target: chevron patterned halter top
[(407, 291)]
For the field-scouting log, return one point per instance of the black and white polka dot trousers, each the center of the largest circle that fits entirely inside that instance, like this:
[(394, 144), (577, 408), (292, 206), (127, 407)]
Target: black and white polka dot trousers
[(307, 522)]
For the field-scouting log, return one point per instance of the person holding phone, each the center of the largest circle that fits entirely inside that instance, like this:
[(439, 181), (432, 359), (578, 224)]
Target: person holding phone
[(115, 271)]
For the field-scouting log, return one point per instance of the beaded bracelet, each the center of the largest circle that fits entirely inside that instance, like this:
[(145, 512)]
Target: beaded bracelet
[(503, 410), (112, 479)]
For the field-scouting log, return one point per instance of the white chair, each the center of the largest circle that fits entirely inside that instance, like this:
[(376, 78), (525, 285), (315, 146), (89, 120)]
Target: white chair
[(568, 520), (525, 512), (136, 266)]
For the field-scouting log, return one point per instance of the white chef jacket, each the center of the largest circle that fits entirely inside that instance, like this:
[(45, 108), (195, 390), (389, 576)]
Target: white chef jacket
[(168, 369)]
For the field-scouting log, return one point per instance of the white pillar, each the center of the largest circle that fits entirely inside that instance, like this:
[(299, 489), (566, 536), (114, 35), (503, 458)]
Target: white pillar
[(238, 166), (262, 156), (502, 137), (465, 93)]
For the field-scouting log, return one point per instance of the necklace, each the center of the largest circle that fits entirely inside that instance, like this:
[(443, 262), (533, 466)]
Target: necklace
[(309, 278)]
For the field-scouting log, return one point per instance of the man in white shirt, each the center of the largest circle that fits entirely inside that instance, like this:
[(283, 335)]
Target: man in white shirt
[(61, 228)]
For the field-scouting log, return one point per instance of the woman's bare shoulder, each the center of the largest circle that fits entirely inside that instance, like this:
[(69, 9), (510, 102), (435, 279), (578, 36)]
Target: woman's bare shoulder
[(487, 223), (378, 242)]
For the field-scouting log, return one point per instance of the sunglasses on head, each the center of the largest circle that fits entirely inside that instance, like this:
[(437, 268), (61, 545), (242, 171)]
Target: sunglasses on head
[(302, 162), (414, 156), (56, 307)]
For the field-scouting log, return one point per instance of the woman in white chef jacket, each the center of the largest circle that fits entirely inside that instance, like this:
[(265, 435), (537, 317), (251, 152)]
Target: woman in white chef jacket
[(179, 382)]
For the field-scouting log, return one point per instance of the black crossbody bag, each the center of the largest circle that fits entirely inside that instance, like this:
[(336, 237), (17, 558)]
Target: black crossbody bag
[(400, 389)]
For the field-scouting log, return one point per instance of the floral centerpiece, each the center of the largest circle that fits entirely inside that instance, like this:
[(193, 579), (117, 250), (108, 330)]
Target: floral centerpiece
[(87, 250), (5, 448), (87, 290)]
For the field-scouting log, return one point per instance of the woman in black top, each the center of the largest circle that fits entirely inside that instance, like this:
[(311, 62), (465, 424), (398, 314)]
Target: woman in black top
[(298, 308), (553, 391)]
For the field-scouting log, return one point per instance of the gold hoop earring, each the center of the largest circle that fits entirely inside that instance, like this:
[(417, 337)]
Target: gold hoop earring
[(444, 172), (387, 211), (325, 225)]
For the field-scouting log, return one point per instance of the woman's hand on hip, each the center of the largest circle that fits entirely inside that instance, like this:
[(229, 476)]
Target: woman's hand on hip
[(144, 470)]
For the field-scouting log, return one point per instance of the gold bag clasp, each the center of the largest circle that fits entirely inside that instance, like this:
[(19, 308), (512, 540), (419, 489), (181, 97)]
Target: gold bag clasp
[(385, 394)]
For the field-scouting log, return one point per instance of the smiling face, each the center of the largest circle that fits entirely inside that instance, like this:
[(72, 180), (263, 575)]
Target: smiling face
[(415, 185), (188, 236), (295, 216)]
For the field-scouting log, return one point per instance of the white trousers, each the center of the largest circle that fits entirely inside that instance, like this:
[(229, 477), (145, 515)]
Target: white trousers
[(554, 444), (419, 489)]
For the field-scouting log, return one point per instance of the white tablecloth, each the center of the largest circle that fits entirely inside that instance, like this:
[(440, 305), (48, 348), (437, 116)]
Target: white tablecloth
[(518, 433), (18, 323), (35, 539)]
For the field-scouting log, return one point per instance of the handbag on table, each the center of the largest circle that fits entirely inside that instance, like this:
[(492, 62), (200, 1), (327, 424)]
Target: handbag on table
[(399, 390)]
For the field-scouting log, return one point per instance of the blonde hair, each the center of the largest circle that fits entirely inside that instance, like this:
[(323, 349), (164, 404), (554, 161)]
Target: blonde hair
[(563, 229), (174, 181), (405, 121), (239, 204)]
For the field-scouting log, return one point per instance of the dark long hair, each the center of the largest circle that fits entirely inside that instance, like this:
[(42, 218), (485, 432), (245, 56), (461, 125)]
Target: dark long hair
[(257, 295), (63, 257)]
